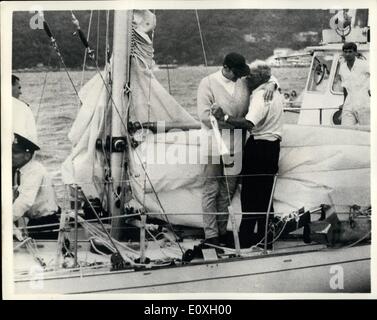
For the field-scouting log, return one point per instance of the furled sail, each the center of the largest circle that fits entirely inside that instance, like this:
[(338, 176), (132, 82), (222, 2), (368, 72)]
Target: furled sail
[(149, 102), (317, 164)]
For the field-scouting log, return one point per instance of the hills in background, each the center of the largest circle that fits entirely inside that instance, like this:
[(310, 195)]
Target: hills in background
[(254, 33)]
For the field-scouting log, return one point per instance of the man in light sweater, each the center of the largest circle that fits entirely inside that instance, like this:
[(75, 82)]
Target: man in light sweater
[(227, 91)]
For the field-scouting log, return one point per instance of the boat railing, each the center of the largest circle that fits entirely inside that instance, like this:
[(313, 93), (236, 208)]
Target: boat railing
[(155, 127), (320, 109)]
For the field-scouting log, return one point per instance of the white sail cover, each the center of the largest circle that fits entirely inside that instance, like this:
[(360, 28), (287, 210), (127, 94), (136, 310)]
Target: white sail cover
[(318, 165)]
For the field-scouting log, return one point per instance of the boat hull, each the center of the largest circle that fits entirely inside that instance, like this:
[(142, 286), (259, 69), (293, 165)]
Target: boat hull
[(330, 270)]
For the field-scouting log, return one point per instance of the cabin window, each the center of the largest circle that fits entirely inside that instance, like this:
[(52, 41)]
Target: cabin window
[(320, 72), (337, 83)]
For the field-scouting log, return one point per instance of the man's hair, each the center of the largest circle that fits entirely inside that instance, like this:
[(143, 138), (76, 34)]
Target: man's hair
[(349, 46), (260, 67), (14, 79), (237, 63)]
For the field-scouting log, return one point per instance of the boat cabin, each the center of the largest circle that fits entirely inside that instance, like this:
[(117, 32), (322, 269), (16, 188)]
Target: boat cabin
[(323, 97)]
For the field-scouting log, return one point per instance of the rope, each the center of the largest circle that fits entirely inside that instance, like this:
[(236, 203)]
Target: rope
[(98, 20), (43, 89), (56, 48), (157, 241), (21, 243), (31, 247), (149, 114), (89, 220), (70, 79), (202, 42), (99, 234), (107, 37), (146, 176), (104, 229), (94, 231), (221, 176), (86, 52), (126, 216), (156, 195), (358, 241), (167, 69)]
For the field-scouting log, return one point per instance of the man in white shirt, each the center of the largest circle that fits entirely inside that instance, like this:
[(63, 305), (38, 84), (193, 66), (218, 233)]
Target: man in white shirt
[(33, 195), (354, 73), (261, 153)]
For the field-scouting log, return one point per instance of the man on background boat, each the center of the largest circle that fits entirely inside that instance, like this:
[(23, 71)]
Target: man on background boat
[(354, 73), (16, 87), (223, 91)]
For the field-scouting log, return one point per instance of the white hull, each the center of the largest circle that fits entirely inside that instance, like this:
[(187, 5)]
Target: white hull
[(314, 271)]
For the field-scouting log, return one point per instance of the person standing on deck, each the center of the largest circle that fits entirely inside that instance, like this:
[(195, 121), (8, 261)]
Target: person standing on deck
[(354, 73), (261, 152), (222, 94)]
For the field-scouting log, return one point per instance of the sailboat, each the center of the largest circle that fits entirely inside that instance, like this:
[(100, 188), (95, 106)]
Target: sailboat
[(126, 119)]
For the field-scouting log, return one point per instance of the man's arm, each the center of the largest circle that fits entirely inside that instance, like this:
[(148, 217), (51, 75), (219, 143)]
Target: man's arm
[(31, 181), (367, 72), (345, 94), (207, 106), (341, 78), (257, 109), (238, 123), (226, 121), (270, 88), (205, 101), (274, 80)]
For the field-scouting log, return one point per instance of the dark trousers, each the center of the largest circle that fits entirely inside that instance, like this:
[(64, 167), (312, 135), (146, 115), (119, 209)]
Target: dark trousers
[(45, 232), (260, 163)]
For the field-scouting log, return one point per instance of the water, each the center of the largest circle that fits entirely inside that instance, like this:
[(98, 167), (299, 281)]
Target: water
[(56, 110)]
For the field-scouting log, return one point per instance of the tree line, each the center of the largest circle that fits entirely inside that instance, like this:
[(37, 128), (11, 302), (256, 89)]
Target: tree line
[(254, 33)]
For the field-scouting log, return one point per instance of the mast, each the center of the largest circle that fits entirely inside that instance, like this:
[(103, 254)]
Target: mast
[(121, 77)]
